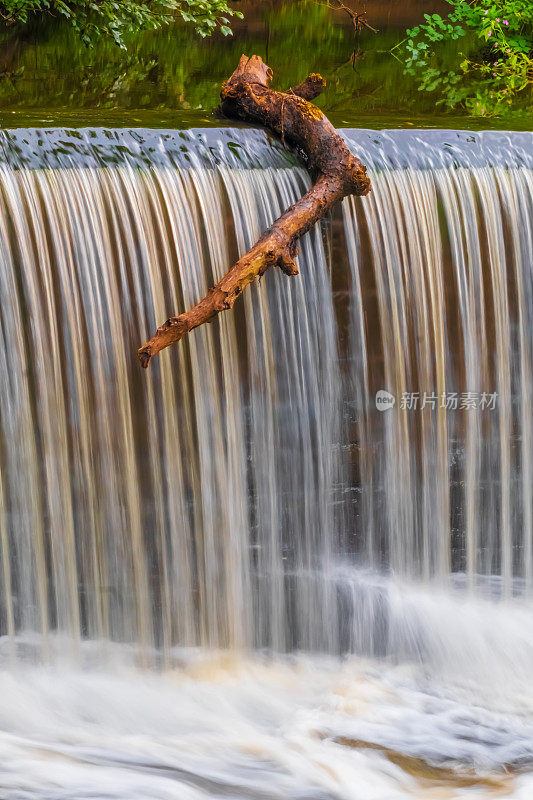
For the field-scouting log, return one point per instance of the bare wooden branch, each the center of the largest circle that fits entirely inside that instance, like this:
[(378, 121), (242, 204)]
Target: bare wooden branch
[(358, 18), (310, 88), (335, 171)]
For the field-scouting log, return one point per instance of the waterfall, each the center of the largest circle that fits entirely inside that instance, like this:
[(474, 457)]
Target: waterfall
[(247, 490)]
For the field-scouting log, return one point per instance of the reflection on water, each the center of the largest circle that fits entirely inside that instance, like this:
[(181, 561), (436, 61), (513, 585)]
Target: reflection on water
[(172, 78)]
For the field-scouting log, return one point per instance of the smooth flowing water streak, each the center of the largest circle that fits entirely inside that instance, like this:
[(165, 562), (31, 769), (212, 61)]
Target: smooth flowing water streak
[(219, 498), (187, 504), (443, 251)]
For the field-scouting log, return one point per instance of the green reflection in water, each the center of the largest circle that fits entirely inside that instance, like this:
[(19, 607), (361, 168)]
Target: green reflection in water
[(171, 78)]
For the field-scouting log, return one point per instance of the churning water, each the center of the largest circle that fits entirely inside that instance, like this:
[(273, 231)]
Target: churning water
[(293, 559)]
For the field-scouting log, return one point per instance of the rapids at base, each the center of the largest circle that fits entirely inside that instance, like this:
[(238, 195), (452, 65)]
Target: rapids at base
[(452, 719)]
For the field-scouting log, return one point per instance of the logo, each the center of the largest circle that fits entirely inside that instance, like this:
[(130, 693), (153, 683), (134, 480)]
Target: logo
[(384, 400)]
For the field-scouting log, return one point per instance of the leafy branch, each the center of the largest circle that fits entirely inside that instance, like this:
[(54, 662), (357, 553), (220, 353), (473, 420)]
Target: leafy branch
[(115, 19), (492, 63)]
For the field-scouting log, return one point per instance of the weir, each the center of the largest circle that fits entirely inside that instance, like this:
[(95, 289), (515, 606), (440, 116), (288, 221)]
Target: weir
[(247, 491)]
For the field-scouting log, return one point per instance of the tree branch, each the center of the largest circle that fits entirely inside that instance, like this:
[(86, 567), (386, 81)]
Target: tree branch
[(336, 172)]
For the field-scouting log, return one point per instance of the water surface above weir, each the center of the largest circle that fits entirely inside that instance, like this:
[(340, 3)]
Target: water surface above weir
[(171, 78), (246, 148)]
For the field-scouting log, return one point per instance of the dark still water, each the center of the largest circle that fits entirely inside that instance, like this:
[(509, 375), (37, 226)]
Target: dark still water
[(171, 78)]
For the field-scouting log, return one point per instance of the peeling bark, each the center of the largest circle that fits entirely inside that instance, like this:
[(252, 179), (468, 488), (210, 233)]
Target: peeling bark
[(335, 171)]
